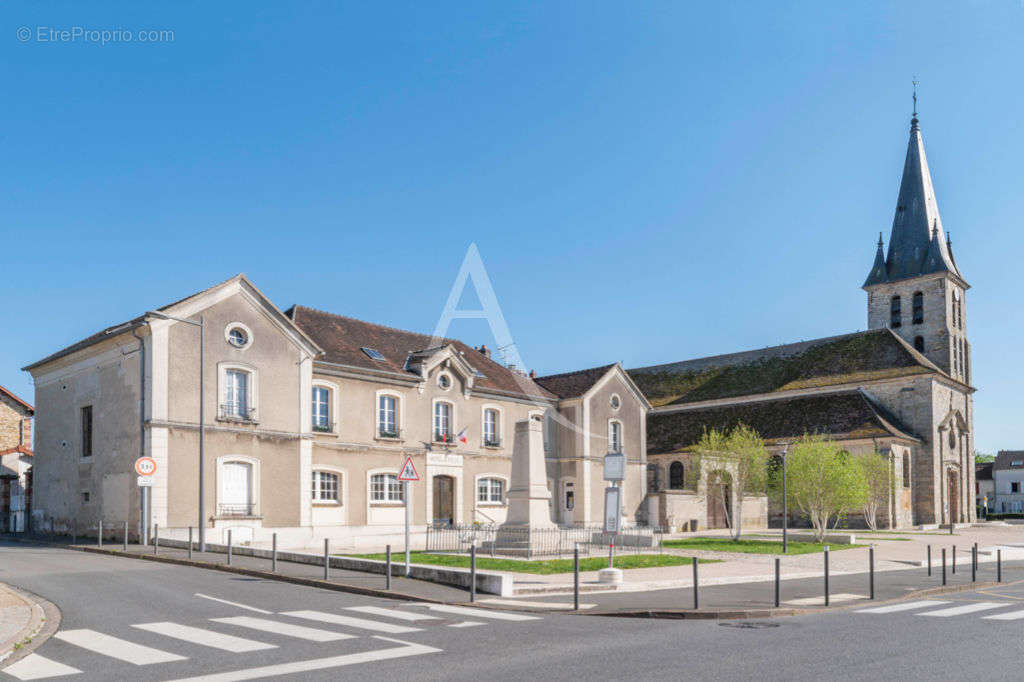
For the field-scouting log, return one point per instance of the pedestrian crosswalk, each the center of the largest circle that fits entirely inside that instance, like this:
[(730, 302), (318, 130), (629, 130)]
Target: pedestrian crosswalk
[(163, 640), (926, 607)]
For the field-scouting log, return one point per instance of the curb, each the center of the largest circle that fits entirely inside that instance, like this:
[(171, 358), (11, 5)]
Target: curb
[(43, 622)]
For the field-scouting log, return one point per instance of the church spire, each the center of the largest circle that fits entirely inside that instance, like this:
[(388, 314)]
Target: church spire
[(913, 247), (878, 272)]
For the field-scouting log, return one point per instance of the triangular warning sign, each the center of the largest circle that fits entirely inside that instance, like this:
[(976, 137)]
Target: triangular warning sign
[(408, 471)]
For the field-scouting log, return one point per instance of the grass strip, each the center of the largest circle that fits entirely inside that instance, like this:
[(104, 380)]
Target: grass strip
[(752, 546), (541, 566)]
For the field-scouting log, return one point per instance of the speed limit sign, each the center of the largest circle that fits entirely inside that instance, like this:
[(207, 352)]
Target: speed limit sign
[(145, 466)]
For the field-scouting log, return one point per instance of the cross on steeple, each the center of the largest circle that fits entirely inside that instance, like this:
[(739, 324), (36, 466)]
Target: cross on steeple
[(915, 98)]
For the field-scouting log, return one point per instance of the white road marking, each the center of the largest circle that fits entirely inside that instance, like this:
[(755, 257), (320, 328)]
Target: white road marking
[(480, 613), (233, 603), (351, 622), (391, 613), (832, 598), (1012, 615), (210, 638), (35, 667), (466, 624), (406, 649), (969, 608), (907, 606), (118, 648), (553, 605), (286, 629)]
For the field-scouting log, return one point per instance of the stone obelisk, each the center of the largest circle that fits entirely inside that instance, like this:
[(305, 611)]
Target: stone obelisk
[(528, 495)]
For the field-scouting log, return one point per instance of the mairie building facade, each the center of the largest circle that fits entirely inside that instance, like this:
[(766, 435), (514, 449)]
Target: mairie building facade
[(309, 417)]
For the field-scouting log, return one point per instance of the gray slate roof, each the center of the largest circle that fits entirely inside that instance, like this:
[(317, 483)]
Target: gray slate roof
[(918, 244), (1006, 458)]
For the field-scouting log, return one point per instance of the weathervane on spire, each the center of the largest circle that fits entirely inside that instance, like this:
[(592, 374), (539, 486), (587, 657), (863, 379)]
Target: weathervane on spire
[(915, 97)]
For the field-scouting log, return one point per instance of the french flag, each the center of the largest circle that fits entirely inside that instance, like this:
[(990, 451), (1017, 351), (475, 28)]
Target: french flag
[(462, 435)]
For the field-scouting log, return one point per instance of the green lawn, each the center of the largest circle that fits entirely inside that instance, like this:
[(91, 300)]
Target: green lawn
[(542, 566), (751, 546)]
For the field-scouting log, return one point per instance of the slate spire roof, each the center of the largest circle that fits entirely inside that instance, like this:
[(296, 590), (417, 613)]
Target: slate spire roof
[(917, 245)]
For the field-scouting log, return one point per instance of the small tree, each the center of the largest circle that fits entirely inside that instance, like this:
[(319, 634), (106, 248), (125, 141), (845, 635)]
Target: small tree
[(823, 482), (874, 467), (744, 456)]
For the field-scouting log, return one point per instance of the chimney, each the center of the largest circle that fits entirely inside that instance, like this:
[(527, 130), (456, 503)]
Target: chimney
[(26, 433), (484, 351), (533, 374)]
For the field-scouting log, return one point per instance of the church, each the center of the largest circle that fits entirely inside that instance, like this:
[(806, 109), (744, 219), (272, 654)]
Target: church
[(902, 388)]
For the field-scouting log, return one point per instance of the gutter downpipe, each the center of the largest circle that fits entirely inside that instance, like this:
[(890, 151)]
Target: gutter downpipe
[(144, 491)]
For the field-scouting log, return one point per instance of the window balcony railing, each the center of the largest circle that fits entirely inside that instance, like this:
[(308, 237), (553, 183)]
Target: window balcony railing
[(323, 427), (445, 439), (384, 433), (245, 509), (232, 412), (492, 442)]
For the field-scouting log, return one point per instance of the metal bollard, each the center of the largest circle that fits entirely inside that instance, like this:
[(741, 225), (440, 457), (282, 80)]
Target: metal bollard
[(327, 559), (696, 602), (273, 554), (929, 561), (999, 565), (472, 572), (871, 570), (229, 547), (387, 568), (190, 542), (943, 565), (974, 563), (826, 576), (126, 536), (954, 559), (778, 563), (576, 577), (99, 536), (156, 538), (611, 555)]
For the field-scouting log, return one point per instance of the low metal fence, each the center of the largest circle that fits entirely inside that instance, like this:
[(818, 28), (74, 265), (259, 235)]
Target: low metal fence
[(548, 542)]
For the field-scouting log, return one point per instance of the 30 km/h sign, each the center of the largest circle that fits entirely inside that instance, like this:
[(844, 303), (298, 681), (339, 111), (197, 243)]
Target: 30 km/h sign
[(145, 466)]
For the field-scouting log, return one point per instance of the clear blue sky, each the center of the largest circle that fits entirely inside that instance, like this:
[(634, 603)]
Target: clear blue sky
[(646, 182)]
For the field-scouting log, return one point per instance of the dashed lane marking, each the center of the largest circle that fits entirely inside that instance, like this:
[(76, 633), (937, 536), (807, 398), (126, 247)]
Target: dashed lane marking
[(115, 647)]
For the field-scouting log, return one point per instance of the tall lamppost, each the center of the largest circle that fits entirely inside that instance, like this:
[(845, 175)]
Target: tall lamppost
[(785, 502), (202, 417)]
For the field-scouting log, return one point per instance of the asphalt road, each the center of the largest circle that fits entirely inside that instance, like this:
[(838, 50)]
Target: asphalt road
[(273, 630)]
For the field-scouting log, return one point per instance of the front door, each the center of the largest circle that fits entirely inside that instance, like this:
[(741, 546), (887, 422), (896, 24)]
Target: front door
[(444, 500), (718, 501), (953, 490)]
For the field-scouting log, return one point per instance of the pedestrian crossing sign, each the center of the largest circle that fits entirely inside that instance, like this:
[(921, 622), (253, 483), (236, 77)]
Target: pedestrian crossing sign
[(408, 471)]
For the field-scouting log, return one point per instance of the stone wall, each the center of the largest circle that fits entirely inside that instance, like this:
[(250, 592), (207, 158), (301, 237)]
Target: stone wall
[(15, 424)]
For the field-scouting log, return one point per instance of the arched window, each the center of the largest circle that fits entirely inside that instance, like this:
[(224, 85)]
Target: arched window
[(918, 310), (919, 344), (895, 313), (676, 476)]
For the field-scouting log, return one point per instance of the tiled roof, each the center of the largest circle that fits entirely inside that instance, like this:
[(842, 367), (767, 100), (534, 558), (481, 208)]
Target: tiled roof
[(832, 361), (1006, 458), (343, 338), (10, 394), (573, 384), (841, 415), (983, 471)]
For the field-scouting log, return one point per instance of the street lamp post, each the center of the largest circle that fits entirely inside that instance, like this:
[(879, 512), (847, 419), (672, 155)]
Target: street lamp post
[(785, 503), (202, 416)]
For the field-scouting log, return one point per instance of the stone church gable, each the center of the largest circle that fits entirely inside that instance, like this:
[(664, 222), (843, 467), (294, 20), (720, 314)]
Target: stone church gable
[(842, 415), (848, 359)]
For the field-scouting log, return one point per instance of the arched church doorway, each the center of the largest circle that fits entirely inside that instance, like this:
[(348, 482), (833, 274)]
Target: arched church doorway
[(719, 499)]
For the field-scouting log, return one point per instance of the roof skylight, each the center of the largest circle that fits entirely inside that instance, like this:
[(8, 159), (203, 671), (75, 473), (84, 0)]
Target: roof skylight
[(373, 353)]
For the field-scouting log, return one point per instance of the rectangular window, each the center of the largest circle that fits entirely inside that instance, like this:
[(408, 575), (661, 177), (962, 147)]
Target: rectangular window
[(614, 437), (236, 394), (321, 408), (490, 490), (87, 431), (918, 309), (387, 416), (491, 436), (325, 487), (1015, 487), (442, 422), (85, 496), (385, 488)]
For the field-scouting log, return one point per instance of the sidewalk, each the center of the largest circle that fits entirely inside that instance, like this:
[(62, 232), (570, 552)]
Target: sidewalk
[(21, 620)]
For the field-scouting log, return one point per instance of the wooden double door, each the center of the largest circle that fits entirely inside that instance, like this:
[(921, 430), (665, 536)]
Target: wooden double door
[(444, 500), (719, 504)]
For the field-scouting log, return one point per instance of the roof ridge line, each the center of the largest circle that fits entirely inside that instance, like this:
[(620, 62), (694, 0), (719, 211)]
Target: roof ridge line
[(372, 324)]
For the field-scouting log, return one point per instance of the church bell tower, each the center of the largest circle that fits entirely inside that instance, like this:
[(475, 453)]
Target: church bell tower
[(915, 288)]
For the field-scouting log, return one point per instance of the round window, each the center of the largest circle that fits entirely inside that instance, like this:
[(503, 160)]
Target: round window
[(616, 402), (237, 337), (444, 381)]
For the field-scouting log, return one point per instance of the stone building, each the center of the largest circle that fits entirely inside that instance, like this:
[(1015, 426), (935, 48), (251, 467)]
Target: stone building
[(309, 417), (15, 460), (1008, 482), (901, 389)]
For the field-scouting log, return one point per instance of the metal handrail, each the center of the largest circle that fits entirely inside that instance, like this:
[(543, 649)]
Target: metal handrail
[(235, 412)]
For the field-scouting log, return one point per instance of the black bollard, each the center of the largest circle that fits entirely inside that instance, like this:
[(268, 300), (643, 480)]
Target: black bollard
[(576, 577), (929, 561), (156, 538), (327, 559), (826, 576), (999, 565), (943, 565), (696, 602), (778, 563), (871, 570), (472, 573), (273, 554), (954, 559), (974, 563), (387, 568)]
